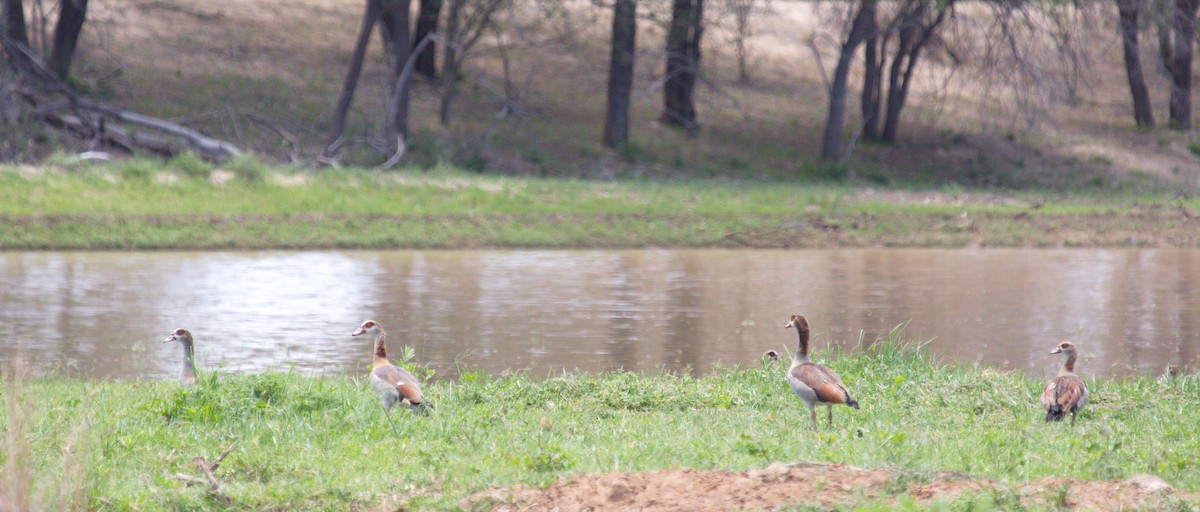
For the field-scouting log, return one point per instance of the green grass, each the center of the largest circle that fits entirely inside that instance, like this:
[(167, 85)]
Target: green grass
[(323, 443), (142, 204)]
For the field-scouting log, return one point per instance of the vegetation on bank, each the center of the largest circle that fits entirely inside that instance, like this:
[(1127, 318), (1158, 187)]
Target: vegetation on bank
[(186, 204), (324, 443)]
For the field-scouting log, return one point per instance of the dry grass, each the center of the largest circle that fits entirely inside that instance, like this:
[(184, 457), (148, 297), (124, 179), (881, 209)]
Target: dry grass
[(26, 484), (284, 61)]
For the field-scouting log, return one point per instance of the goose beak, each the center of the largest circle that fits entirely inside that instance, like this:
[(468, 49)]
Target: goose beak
[(789, 325), (358, 331), (1056, 350), (169, 338)]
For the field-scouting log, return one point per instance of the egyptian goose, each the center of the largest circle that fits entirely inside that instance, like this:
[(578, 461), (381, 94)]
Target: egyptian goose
[(392, 383), (813, 382), (188, 374), (1066, 392), (770, 356)]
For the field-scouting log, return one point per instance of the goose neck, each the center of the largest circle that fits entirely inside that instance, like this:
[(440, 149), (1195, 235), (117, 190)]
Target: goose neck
[(381, 346), (189, 359), (1069, 365)]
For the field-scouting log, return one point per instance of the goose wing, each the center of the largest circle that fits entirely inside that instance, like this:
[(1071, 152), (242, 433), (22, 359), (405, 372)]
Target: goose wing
[(1071, 393), (823, 381), (401, 380), (1064, 393)]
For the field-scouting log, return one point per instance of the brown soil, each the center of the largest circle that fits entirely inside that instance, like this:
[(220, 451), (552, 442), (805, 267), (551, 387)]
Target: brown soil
[(810, 484)]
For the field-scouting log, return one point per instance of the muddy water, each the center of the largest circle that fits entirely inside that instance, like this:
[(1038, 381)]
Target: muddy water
[(104, 314)]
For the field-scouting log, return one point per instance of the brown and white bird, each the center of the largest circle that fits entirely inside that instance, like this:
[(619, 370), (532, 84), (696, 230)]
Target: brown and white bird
[(770, 356), (392, 383), (188, 374), (814, 383), (1066, 392)]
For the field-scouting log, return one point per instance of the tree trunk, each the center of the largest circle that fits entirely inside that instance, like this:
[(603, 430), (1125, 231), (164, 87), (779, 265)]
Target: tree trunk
[(71, 15), (338, 124), (1181, 68), (913, 37), (741, 29), (450, 61), (1165, 52), (683, 64), (836, 120), (620, 73), (1143, 114), (397, 38), (14, 22), (872, 74), (427, 22)]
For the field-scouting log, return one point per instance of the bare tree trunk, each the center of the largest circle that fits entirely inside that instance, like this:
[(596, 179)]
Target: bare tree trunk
[(466, 22), (1143, 113), (427, 22), (450, 61), (394, 28), (620, 73), (71, 15), (741, 28), (14, 22), (831, 149), (872, 79), (683, 64), (338, 124), (1181, 68), (913, 37), (1165, 45)]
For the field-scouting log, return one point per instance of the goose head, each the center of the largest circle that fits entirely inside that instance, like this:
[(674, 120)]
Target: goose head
[(770, 355), (181, 335), (797, 322), (369, 327), (1065, 347)]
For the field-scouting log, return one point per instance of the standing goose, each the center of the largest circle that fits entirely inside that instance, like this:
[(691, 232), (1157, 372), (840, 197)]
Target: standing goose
[(813, 382), (392, 383), (188, 374), (1066, 392)]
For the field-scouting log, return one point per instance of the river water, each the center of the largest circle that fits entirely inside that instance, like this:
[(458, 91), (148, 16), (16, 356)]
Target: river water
[(103, 315)]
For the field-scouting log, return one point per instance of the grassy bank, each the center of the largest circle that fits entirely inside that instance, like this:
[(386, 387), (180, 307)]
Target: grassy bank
[(316, 443), (186, 205)]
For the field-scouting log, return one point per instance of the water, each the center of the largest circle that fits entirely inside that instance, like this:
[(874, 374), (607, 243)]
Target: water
[(105, 314)]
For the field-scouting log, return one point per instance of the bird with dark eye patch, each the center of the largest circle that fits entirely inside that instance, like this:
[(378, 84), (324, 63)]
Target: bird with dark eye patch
[(814, 383), (1065, 393), (188, 374), (390, 382)]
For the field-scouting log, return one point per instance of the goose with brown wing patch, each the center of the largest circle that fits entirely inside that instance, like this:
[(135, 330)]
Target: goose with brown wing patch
[(1066, 392), (392, 383), (816, 384)]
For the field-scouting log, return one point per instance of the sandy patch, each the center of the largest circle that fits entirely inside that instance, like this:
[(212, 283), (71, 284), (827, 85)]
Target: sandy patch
[(806, 483)]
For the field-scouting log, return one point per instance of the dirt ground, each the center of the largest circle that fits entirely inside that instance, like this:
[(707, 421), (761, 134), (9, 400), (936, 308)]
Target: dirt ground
[(822, 485)]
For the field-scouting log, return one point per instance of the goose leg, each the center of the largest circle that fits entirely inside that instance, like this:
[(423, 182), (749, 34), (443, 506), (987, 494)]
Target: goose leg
[(830, 416), (813, 410)]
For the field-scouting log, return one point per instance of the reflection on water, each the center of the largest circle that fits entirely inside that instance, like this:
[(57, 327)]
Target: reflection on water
[(104, 314)]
